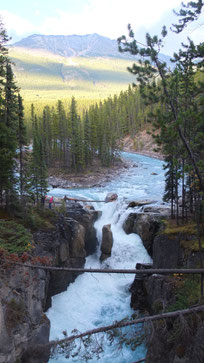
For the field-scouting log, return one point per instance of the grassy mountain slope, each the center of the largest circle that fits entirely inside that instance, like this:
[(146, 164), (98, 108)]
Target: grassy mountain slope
[(45, 77), (50, 67)]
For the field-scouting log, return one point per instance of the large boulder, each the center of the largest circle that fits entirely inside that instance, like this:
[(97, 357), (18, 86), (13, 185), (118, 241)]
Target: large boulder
[(111, 197), (145, 225), (86, 217), (107, 242)]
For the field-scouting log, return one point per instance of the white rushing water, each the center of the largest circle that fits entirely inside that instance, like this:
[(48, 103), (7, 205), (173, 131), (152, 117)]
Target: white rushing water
[(95, 300)]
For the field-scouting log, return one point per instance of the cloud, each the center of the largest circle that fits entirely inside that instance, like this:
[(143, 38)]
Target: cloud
[(37, 12), (108, 17), (105, 17), (16, 23)]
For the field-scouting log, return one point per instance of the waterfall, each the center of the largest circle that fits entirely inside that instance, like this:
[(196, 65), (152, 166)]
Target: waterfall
[(95, 300)]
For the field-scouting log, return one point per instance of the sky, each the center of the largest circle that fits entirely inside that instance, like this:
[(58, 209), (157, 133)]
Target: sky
[(104, 17)]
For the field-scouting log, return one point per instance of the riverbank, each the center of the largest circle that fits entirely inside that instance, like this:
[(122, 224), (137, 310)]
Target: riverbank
[(96, 176), (143, 144)]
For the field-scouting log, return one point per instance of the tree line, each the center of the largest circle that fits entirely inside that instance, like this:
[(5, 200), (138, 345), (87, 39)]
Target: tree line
[(172, 100), (71, 140), (20, 172), (60, 138)]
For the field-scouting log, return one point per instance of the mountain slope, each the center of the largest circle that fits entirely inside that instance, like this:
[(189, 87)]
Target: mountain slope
[(90, 45), (45, 77), (89, 67)]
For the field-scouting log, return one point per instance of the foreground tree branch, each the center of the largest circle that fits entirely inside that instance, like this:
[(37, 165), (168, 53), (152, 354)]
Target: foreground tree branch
[(123, 324)]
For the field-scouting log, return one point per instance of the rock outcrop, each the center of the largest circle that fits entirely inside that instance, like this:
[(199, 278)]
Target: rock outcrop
[(145, 225), (66, 246), (170, 247), (107, 242), (26, 293), (111, 197), (186, 347), (23, 323), (86, 217)]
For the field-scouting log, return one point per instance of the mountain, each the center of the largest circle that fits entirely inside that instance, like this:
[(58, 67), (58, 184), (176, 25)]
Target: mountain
[(43, 76), (90, 45), (52, 67)]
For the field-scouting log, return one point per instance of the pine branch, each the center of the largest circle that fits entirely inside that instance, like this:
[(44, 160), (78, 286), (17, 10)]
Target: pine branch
[(122, 324)]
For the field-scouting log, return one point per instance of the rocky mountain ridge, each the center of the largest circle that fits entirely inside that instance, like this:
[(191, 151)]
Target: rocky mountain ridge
[(90, 45)]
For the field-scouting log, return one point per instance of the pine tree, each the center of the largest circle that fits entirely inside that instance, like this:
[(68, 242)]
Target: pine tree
[(21, 133), (38, 169), (74, 120), (177, 110), (87, 140), (8, 136)]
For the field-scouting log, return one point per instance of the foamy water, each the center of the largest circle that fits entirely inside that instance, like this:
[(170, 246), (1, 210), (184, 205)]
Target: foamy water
[(95, 300)]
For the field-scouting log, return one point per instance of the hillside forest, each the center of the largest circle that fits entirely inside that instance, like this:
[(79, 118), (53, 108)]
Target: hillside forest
[(167, 102)]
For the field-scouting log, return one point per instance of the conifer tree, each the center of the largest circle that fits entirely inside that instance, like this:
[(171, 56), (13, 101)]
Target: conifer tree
[(8, 135), (87, 140), (178, 93), (74, 120), (37, 168), (21, 133)]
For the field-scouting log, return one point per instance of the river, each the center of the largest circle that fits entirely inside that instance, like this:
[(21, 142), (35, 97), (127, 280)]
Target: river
[(94, 300)]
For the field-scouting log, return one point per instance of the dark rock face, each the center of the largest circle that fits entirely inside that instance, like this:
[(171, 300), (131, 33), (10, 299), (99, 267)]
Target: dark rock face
[(107, 242), (26, 293), (145, 225), (67, 247), (190, 349), (73, 238), (160, 292), (167, 252), (22, 321), (86, 218), (152, 292), (139, 296), (155, 293)]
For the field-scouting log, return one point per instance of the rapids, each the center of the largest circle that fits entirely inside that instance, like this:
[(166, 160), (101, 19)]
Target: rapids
[(94, 300)]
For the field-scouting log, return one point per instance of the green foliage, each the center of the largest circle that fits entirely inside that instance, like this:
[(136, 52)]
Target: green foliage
[(37, 218), (188, 13), (176, 109), (12, 135), (187, 292), (8, 124), (45, 77), (187, 228), (71, 142), (14, 238)]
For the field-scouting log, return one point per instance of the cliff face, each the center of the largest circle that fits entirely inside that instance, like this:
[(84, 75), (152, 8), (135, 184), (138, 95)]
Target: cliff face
[(26, 293), (22, 320), (178, 341)]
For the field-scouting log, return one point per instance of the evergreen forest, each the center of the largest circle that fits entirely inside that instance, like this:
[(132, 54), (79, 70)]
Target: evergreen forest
[(166, 103), (171, 101)]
